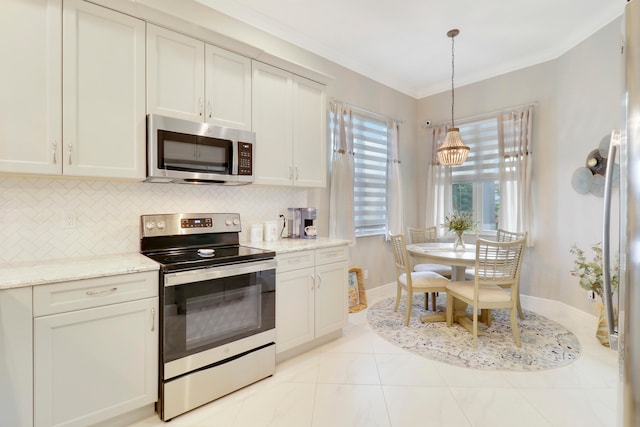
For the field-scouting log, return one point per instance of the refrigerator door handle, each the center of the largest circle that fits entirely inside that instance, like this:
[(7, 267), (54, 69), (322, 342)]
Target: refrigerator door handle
[(606, 237)]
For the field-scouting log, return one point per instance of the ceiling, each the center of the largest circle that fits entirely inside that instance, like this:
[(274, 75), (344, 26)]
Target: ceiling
[(403, 43)]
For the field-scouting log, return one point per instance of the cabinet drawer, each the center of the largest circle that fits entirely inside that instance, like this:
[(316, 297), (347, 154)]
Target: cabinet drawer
[(333, 254), (87, 293), (295, 261)]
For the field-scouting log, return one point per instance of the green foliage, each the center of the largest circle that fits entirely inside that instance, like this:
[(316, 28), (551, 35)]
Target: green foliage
[(458, 221), (590, 271)]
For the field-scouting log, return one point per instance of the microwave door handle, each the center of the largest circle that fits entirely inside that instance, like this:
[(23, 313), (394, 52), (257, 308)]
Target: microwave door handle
[(235, 164)]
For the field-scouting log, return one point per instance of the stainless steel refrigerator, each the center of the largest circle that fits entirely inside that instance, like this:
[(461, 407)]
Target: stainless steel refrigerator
[(624, 326)]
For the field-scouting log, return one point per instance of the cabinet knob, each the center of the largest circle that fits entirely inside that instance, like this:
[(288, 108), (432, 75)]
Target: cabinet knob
[(209, 108), (200, 106), (153, 319)]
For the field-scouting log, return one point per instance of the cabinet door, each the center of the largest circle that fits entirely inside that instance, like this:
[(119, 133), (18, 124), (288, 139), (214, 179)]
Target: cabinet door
[(103, 92), (331, 309), (175, 74), (271, 115), (16, 363), (31, 101), (91, 365), (228, 88), (309, 144), (294, 308)]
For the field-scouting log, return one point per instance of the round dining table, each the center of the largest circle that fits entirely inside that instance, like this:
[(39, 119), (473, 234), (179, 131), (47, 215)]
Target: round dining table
[(443, 253)]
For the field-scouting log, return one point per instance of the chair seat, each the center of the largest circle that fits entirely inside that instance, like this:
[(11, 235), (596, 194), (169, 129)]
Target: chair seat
[(444, 270), (425, 280), (487, 293)]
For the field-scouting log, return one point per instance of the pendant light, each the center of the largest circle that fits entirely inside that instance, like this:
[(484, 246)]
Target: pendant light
[(453, 151)]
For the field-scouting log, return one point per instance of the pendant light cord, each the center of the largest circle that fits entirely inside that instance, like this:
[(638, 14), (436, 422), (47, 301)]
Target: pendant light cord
[(452, 73)]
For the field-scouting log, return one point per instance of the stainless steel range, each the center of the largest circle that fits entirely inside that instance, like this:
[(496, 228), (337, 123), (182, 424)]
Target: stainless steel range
[(217, 322)]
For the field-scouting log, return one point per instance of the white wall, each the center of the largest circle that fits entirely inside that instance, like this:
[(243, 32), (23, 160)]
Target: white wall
[(578, 100)]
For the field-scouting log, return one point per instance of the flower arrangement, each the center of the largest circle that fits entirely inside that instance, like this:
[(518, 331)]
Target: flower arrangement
[(590, 271), (459, 222)]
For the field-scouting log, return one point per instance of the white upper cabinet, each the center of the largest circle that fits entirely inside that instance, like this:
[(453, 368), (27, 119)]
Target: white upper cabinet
[(193, 80), (228, 88), (31, 101), (103, 92), (87, 121), (289, 121), (175, 74)]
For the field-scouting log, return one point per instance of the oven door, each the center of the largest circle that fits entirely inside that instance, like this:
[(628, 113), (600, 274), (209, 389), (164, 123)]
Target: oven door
[(216, 313)]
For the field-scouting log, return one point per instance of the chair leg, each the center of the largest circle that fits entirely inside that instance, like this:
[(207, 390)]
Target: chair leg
[(475, 328), (520, 312), (513, 313), (398, 295), (450, 310), (409, 301), (433, 301), (426, 300)]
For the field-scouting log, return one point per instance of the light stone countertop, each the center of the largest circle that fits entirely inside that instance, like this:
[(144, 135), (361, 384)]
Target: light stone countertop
[(282, 246), (16, 275)]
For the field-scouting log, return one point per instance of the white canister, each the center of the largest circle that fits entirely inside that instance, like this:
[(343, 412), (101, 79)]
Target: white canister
[(270, 231), (255, 232)]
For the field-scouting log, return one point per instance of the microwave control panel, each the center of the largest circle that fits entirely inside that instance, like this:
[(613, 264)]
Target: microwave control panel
[(245, 158)]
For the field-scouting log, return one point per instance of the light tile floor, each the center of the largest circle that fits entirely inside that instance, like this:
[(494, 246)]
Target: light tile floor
[(362, 380)]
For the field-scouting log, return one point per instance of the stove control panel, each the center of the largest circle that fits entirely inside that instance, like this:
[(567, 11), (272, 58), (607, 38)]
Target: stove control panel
[(206, 222), (196, 223)]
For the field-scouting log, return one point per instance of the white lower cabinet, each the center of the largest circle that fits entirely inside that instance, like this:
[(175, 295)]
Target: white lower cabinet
[(16, 348), (311, 295), (95, 348)]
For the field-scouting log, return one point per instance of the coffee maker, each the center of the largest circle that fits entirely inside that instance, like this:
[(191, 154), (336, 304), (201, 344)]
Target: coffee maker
[(301, 223)]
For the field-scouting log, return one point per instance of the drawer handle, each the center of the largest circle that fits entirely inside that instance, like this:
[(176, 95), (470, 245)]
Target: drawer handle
[(102, 292), (153, 319)]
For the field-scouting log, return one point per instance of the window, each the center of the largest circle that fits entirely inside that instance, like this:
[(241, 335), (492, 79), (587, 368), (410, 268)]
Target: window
[(370, 175), (474, 184)]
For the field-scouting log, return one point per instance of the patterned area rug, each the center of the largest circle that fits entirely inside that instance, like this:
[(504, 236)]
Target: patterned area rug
[(545, 344)]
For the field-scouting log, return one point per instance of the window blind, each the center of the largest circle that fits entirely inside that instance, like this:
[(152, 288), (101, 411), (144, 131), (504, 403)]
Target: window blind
[(483, 161), (370, 173)]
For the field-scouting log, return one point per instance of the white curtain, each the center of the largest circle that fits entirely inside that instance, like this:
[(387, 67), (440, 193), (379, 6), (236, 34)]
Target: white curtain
[(438, 183), (516, 211), (341, 191), (394, 187)]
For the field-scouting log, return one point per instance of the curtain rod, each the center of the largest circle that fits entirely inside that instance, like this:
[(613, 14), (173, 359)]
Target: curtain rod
[(363, 110), (428, 124)]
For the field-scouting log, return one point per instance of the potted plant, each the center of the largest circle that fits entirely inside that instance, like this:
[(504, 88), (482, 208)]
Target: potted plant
[(459, 222), (590, 273)]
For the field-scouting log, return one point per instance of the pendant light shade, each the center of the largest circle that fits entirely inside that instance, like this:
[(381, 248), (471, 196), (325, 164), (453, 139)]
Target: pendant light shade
[(453, 151)]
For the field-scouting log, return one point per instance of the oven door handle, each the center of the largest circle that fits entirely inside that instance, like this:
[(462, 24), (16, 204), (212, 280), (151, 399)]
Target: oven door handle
[(218, 272)]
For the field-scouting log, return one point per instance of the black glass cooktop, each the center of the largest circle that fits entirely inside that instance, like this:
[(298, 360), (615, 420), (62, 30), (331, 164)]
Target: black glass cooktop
[(178, 259)]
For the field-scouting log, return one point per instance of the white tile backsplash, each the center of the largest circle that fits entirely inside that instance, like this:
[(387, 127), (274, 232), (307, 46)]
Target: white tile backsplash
[(32, 212)]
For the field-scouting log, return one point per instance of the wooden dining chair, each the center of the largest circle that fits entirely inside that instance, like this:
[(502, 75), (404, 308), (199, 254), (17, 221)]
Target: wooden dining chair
[(497, 267), (505, 236), (427, 235), (412, 281)]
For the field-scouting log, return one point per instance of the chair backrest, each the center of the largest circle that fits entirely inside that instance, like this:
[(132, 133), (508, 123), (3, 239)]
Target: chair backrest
[(510, 236), (400, 255), (499, 263), (423, 235)]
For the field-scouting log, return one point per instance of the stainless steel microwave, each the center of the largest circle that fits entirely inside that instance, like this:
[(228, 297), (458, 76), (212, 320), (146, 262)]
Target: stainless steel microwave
[(198, 153)]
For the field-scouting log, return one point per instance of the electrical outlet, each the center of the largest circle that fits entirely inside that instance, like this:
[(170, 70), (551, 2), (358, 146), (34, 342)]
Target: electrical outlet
[(591, 295), (366, 274), (69, 219)]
